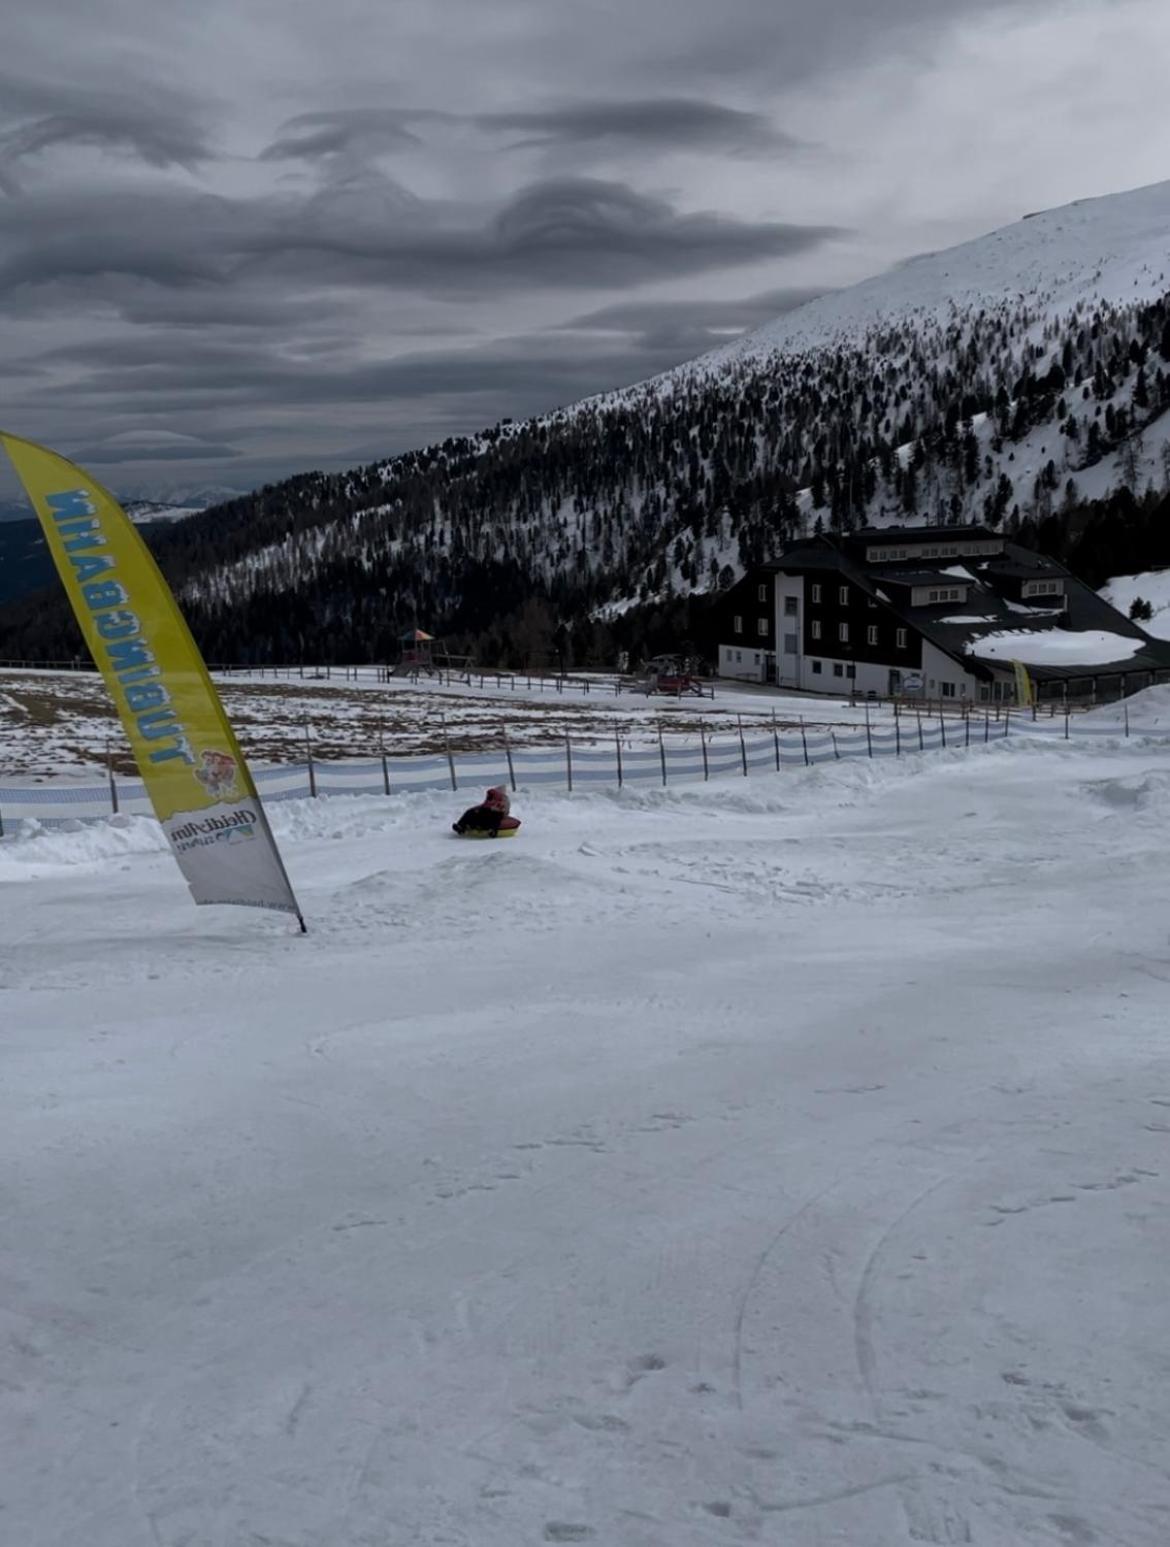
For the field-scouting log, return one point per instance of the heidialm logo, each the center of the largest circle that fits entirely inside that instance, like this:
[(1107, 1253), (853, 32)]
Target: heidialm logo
[(205, 832)]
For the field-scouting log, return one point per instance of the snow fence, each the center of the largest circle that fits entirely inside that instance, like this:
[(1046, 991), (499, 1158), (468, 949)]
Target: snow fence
[(572, 765)]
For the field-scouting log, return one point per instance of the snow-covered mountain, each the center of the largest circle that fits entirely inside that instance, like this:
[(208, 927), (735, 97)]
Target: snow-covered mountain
[(1010, 380)]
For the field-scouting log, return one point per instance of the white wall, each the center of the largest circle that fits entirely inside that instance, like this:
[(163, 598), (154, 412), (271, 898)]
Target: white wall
[(874, 677), (741, 662), (789, 665)]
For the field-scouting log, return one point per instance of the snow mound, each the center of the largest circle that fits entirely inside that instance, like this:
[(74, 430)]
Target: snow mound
[(1147, 710)]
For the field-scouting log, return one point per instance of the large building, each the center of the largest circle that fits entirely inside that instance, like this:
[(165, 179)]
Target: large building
[(943, 612)]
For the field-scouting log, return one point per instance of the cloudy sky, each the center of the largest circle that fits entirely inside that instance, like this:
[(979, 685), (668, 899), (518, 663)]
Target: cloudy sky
[(248, 237)]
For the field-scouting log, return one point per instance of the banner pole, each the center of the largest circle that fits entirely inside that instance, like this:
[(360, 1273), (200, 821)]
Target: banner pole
[(110, 776)]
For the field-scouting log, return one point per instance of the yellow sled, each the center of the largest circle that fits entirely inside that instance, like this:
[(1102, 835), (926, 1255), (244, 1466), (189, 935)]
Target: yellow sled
[(509, 827)]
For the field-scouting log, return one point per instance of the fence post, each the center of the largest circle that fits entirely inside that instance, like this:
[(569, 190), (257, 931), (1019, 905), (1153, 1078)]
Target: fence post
[(804, 741), (703, 742), (309, 762), (1066, 714), (897, 731), (942, 723), (569, 761), (385, 764), (1125, 708), (617, 741), (742, 745), (776, 740), (508, 755), (986, 726), (967, 719), (450, 758), (110, 776), (662, 753), (921, 743)]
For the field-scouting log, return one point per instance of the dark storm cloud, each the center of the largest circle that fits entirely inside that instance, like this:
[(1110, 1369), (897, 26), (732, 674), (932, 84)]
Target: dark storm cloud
[(559, 233), (311, 136), (666, 123), (530, 373), (562, 232), (159, 133), (691, 322), (184, 450)]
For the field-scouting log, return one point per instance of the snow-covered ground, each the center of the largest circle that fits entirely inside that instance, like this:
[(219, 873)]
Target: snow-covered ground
[(1152, 586), (777, 1162), (54, 722)]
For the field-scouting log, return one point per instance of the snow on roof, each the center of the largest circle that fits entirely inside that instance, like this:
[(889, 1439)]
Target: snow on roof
[(959, 572), (1055, 647)]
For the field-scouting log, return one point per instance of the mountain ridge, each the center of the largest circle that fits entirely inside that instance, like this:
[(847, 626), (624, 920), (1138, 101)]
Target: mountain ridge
[(1012, 380)]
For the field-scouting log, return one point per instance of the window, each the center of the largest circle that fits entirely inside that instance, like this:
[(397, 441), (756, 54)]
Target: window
[(947, 689), (816, 593), (838, 669), (762, 593), (946, 594), (843, 596), (871, 634), (739, 657), (871, 602), (1043, 588), (843, 633), (756, 658), (737, 624), (790, 605), (815, 628), (900, 639), (762, 627), (851, 671), (791, 644), (816, 666)]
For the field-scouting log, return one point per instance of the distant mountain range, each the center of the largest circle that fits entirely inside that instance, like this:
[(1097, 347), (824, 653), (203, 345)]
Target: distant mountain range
[(1020, 380)]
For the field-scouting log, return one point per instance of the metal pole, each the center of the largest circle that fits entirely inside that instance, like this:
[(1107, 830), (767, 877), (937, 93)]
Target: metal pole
[(868, 731), (385, 764), (662, 752), (703, 742), (897, 731), (569, 761), (110, 775), (776, 740), (450, 758), (1125, 708), (508, 755), (309, 760), (942, 723), (967, 718), (836, 753), (1066, 714), (742, 745), (617, 741), (1007, 721), (804, 741), (921, 743)]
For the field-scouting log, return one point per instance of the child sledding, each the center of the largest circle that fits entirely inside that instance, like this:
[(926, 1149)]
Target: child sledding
[(491, 819)]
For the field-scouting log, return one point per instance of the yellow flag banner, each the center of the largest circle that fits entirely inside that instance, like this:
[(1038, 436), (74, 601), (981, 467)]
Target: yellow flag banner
[(1025, 694), (188, 756)]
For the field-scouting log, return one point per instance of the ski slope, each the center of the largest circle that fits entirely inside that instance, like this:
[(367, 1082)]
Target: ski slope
[(1111, 248), (780, 1161)]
